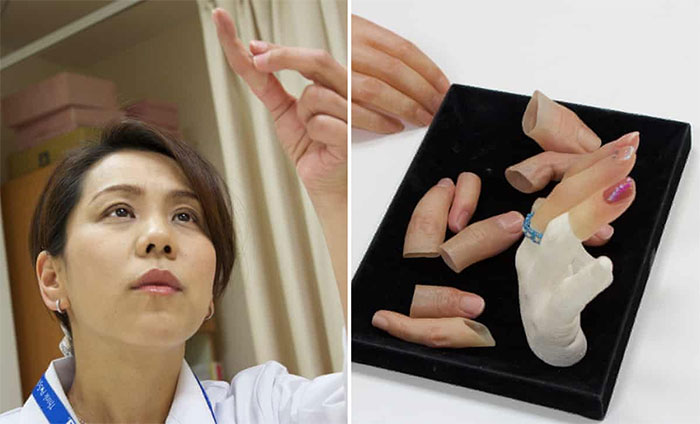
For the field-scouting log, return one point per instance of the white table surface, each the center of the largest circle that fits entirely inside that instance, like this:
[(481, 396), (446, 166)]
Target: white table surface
[(634, 56)]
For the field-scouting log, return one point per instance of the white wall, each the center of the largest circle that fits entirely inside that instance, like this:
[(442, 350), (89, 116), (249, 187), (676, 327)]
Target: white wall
[(10, 388)]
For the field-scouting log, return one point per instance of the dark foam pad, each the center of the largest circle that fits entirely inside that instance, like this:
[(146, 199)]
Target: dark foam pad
[(480, 131)]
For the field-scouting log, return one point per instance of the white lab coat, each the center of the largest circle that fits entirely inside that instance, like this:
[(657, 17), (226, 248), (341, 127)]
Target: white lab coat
[(265, 393)]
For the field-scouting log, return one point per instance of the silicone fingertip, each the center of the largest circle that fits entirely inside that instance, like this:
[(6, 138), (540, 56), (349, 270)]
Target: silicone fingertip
[(380, 321)]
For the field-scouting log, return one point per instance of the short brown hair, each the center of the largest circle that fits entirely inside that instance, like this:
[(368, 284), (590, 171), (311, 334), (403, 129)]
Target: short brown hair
[(64, 188)]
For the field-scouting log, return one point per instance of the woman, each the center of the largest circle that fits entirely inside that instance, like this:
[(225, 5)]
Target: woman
[(133, 241)]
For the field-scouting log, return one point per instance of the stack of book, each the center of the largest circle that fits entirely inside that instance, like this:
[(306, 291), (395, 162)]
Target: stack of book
[(56, 115), (160, 114)]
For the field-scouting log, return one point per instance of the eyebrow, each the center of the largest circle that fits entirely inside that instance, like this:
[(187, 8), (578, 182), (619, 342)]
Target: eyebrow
[(137, 191)]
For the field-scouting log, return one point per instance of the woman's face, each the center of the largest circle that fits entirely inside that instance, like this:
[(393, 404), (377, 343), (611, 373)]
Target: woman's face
[(131, 200)]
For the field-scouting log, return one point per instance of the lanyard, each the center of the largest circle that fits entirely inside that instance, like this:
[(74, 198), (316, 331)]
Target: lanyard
[(206, 398), (50, 404), (56, 413)]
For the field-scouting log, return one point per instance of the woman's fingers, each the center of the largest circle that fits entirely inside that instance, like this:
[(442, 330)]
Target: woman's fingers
[(314, 64), (377, 94), (533, 174), (434, 332), (587, 160), (328, 130), (264, 85), (317, 99), (366, 32), (440, 302), (426, 230), (601, 207), (465, 201), (393, 71), (482, 240), (555, 127), (572, 191), (367, 119)]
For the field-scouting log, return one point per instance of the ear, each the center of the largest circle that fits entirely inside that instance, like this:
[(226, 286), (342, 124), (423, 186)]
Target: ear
[(50, 285)]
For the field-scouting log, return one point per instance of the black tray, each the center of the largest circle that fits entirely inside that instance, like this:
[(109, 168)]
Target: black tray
[(480, 131)]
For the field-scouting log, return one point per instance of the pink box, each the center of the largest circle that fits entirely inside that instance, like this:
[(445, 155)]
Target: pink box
[(163, 113), (63, 121), (61, 90)]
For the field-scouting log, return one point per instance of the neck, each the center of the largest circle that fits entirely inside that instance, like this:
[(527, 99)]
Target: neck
[(115, 382)]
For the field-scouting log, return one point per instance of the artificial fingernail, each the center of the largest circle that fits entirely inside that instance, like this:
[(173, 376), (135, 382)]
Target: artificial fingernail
[(619, 191), (379, 321), (624, 154), (511, 221), (471, 305), (260, 60), (462, 220), (445, 182), (424, 117), (606, 232), (628, 137)]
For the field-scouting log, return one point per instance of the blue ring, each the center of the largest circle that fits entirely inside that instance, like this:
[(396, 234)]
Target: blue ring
[(533, 235)]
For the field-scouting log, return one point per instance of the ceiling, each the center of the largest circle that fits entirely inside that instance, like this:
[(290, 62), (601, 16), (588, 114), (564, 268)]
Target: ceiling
[(24, 21)]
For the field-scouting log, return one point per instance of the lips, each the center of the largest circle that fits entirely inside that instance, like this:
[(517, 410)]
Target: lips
[(158, 280)]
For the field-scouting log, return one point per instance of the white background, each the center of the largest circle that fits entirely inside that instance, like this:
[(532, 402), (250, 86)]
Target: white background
[(634, 56)]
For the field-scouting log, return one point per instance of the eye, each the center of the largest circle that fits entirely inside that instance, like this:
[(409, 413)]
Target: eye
[(120, 212), (187, 216)]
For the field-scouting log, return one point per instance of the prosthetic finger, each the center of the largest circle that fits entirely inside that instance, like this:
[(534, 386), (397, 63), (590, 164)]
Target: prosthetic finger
[(440, 301), (555, 127), (465, 201), (587, 160), (426, 230), (600, 237), (434, 332), (481, 240), (577, 188), (533, 174)]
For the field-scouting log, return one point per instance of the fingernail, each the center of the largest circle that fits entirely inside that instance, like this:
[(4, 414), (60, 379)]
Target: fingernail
[(394, 126), (379, 321), (436, 102), (424, 117), (619, 191), (627, 138), (260, 60), (258, 44), (512, 221), (623, 154), (462, 220), (445, 182), (444, 84), (606, 232), (471, 305)]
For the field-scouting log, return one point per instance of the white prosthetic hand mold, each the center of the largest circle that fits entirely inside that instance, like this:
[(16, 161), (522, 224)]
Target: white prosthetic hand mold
[(557, 279)]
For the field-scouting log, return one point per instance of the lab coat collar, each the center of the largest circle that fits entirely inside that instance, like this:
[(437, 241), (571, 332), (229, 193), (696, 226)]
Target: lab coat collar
[(189, 404)]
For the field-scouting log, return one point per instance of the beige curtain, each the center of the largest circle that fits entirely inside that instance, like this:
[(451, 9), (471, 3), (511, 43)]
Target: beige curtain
[(282, 303)]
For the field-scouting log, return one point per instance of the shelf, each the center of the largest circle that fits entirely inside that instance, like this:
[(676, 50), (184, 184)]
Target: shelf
[(151, 49)]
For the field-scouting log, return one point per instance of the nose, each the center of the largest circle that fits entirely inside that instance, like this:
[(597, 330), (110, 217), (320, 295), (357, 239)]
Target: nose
[(157, 240)]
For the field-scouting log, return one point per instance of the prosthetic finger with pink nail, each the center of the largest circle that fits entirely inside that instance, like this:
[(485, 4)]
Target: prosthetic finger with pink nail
[(557, 277), (428, 224), (555, 127)]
